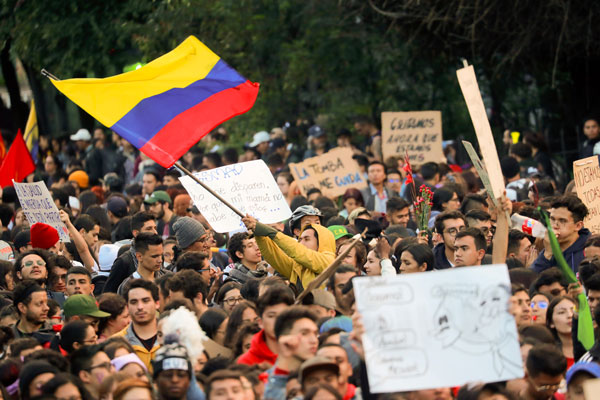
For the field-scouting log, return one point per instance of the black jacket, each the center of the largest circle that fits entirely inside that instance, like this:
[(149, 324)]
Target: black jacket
[(122, 268), (439, 255)]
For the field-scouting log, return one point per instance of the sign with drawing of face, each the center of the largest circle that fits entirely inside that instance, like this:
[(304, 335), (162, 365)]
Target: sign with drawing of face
[(419, 327)]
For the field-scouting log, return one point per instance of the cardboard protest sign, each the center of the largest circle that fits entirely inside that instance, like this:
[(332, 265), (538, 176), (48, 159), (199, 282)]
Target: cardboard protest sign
[(332, 173), (418, 133), (489, 155), (248, 186), (587, 182), (38, 206), (419, 327)]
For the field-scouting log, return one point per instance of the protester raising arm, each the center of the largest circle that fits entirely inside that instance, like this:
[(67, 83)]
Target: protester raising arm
[(303, 259), (79, 242)]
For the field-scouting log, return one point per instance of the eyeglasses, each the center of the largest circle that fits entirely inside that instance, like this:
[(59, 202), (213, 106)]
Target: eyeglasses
[(454, 231), (233, 301), (559, 221), (394, 180), (40, 263), (106, 365), (487, 230), (540, 304)]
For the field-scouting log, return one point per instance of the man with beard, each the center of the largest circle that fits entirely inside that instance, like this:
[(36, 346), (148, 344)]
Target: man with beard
[(159, 204), (31, 302), (142, 302)]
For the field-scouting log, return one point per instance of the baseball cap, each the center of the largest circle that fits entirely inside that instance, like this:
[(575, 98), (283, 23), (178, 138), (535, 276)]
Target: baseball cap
[(339, 231), (22, 239), (6, 251), (82, 304), (82, 134), (591, 368), (158, 195), (316, 363), (118, 206), (320, 297), (260, 137), (316, 131)]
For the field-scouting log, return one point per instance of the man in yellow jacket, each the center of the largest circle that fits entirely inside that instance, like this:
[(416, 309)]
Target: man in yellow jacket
[(298, 261)]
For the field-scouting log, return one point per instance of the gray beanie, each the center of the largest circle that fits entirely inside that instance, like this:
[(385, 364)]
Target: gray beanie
[(187, 231)]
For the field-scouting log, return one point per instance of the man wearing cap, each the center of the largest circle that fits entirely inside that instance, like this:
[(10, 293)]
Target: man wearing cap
[(319, 370), (83, 307), (22, 241), (579, 373), (31, 302), (260, 142), (116, 208), (82, 139), (159, 203), (338, 354), (172, 371), (321, 302), (317, 142), (191, 235), (44, 236), (340, 234)]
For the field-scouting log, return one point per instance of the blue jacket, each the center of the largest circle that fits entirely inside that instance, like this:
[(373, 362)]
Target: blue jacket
[(573, 254)]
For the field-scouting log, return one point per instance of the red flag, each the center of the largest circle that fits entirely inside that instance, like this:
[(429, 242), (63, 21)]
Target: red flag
[(17, 164)]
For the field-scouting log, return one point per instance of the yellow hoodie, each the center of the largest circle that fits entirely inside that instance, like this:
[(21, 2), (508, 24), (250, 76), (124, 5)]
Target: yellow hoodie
[(292, 259)]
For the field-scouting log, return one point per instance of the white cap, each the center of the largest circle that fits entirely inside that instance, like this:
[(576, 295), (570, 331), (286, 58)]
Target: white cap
[(260, 137), (82, 134), (107, 256)]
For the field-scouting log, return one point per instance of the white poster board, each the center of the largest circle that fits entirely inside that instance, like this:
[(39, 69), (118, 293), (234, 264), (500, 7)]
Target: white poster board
[(248, 186), (38, 206), (438, 329)]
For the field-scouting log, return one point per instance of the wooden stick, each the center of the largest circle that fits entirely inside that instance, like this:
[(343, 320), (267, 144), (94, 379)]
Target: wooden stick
[(326, 274), (209, 190)]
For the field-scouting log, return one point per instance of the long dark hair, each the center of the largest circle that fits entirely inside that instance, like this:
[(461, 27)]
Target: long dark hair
[(441, 196), (550, 311), (63, 378), (236, 320), (422, 254)]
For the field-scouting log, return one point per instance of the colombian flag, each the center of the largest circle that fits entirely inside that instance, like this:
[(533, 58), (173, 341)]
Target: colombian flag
[(168, 105)]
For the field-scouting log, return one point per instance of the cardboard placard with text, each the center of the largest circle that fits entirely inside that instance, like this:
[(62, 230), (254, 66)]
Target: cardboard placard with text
[(38, 206), (418, 133), (332, 173), (586, 173)]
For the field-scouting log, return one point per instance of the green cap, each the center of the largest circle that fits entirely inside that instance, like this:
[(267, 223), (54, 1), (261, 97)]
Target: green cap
[(339, 231), (159, 195), (82, 304)]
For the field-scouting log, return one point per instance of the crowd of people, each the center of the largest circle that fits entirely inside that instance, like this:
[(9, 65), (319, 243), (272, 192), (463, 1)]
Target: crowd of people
[(147, 301)]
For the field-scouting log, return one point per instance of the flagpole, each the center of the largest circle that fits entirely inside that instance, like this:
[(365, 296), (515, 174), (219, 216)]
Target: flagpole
[(209, 190), (179, 166)]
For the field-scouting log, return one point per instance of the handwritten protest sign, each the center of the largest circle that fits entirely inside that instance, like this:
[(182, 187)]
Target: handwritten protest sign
[(417, 132), (248, 186), (419, 327), (38, 206), (332, 173), (587, 181)]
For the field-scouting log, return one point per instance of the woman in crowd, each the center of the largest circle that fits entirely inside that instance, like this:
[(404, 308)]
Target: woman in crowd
[(229, 296), (214, 323), (65, 386), (356, 257), (444, 199), (6, 276), (559, 319), (119, 318), (416, 258), (244, 312), (75, 334), (351, 200)]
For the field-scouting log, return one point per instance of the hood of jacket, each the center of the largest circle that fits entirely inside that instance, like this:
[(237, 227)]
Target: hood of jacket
[(259, 351), (326, 238)]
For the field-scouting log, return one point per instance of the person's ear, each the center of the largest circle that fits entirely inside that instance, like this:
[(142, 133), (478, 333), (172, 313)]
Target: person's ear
[(76, 345), (22, 308), (260, 323), (157, 304), (423, 267), (138, 256), (84, 376), (481, 254), (19, 275), (579, 225), (93, 287), (239, 254)]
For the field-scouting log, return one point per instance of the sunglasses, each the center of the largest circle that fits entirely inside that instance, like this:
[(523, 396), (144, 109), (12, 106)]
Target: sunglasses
[(40, 263), (540, 304)]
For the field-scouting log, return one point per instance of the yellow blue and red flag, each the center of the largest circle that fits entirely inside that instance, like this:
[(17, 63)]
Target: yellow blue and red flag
[(169, 104), (32, 132)]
